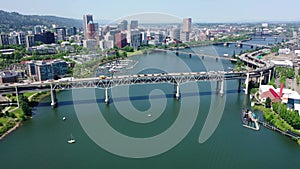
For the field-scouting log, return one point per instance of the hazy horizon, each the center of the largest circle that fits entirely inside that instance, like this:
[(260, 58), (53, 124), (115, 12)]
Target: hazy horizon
[(205, 11)]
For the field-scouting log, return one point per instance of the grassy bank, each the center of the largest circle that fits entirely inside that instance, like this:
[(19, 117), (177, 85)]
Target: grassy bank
[(274, 119), (14, 116)]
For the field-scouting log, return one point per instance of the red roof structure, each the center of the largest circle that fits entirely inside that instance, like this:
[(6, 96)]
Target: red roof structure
[(272, 95)]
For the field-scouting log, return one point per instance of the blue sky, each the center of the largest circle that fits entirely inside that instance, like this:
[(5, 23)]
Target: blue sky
[(199, 10)]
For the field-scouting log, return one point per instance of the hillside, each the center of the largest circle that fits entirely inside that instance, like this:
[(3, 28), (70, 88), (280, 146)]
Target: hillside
[(15, 21)]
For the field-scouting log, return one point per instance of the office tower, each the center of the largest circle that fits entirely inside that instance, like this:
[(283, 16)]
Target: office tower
[(86, 20), (186, 30), (120, 40), (134, 24), (187, 25), (72, 31), (30, 41), (48, 37), (91, 31), (123, 25), (61, 33)]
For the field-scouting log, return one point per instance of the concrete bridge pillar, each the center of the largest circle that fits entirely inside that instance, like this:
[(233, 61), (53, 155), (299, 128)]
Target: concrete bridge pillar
[(270, 75), (239, 87), (222, 87), (247, 83), (17, 96), (261, 78), (177, 94), (106, 96), (53, 97), (217, 85)]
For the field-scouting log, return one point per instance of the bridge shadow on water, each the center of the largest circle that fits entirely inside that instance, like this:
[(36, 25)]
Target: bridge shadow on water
[(135, 98)]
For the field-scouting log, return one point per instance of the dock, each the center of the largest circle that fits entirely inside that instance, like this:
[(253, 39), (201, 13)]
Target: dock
[(286, 133)]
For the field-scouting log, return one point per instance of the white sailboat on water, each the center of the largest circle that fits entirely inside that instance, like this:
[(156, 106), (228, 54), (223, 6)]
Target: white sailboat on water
[(72, 140)]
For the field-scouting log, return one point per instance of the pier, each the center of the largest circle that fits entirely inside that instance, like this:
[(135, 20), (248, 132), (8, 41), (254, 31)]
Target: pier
[(286, 133)]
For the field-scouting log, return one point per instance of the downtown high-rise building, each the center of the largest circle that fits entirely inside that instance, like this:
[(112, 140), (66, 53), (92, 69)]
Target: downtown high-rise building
[(186, 30), (87, 19), (187, 25), (134, 24)]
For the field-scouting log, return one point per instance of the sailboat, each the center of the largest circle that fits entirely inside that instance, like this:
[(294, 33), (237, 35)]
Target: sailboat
[(72, 140)]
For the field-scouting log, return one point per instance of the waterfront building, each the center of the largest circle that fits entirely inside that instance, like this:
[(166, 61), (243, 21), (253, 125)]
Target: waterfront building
[(49, 70), (159, 36), (86, 20), (144, 38), (175, 34), (60, 67), (8, 77), (30, 68), (293, 101), (44, 71), (4, 39), (134, 38)]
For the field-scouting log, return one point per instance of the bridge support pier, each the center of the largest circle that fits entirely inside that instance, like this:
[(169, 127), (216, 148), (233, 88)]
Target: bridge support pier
[(177, 53), (222, 87), (247, 83), (190, 55), (106, 96), (217, 85), (53, 97), (261, 78), (270, 75), (239, 87), (17, 96), (177, 94)]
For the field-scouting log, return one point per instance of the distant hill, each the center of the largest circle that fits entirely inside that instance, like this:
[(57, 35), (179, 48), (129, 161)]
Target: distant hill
[(14, 21)]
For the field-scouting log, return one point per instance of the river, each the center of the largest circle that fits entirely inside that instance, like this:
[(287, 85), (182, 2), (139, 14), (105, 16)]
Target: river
[(212, 134)]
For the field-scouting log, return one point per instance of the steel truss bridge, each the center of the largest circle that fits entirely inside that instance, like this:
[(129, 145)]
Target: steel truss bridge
[(263, 70)]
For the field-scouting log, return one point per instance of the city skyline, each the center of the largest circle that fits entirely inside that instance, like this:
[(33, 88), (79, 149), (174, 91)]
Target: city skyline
[(200, 11)]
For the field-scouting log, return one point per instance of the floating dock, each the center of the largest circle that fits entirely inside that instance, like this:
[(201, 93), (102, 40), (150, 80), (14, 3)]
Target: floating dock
[(249, 119)]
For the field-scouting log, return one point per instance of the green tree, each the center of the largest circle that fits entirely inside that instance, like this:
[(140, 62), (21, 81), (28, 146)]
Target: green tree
[(24, 105), (268, 102), (128, 49)]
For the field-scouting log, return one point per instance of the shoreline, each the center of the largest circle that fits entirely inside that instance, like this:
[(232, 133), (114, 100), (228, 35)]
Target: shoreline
[(11, 130), (19, 123)]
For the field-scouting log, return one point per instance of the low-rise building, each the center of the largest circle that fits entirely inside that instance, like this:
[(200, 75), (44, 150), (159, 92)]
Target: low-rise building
[(90, 43), (45, 70), (8, 77)]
